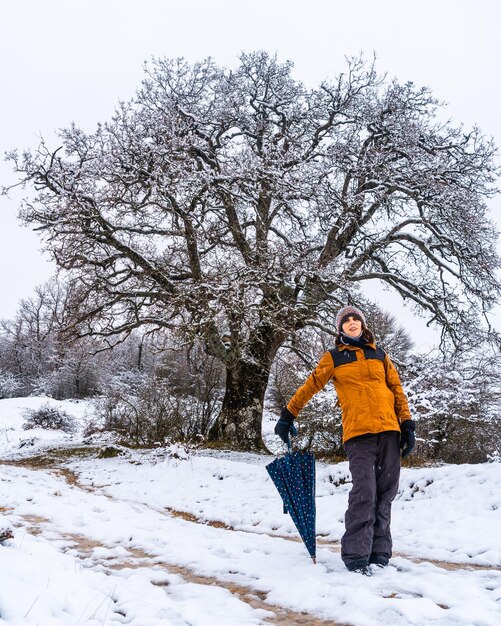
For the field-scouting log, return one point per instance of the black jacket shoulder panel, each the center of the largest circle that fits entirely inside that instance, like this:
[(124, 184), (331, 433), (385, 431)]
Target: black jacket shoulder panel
[(378, 354), (341, 357)]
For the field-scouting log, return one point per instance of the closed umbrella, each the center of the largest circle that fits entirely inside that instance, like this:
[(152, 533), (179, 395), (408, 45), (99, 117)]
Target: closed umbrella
[(294, 476)]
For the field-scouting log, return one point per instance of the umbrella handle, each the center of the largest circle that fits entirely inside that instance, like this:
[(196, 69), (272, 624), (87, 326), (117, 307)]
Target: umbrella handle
[(293, 432)]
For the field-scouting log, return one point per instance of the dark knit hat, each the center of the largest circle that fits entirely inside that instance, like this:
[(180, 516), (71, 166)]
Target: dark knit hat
[(345, 313)]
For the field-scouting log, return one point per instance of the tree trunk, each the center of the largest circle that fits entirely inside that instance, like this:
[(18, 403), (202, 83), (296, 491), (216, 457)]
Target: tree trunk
[(239, 422)]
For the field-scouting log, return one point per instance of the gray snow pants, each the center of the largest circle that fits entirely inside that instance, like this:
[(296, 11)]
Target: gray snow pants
[(375, 470)]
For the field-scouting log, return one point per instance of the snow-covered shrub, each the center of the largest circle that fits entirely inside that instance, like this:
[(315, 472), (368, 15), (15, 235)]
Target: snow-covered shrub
[(27, 443), (9, 385), (92, 427), (149, 410), (50, 418), (6, 532), (111, 451)]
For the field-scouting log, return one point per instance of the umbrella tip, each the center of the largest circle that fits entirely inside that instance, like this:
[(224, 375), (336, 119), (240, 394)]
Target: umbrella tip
[(314, 559)]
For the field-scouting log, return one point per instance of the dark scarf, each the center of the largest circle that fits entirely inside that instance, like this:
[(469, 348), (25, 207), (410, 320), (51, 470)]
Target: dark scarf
[(360, 342)]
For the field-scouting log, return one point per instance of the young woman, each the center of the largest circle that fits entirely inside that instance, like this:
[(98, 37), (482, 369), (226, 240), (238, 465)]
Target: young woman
[(376, 425)]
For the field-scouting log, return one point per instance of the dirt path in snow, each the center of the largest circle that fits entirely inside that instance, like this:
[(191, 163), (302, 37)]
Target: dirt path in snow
[(53, 465), (137, 559), (332, 545)]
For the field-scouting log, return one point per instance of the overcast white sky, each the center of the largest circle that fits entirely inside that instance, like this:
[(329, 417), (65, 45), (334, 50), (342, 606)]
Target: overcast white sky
[(71, 60)]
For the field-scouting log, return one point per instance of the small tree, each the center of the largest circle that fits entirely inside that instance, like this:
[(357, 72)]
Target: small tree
[(9, 385)]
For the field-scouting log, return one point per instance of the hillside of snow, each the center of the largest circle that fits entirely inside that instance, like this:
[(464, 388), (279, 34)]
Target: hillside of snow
[(177, 536)]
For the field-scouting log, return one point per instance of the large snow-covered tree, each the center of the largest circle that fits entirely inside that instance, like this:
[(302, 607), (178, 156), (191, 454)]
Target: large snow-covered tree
[(240, 206)]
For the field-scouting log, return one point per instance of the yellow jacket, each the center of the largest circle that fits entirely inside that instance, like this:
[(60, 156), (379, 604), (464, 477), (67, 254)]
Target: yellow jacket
[(367, 385)]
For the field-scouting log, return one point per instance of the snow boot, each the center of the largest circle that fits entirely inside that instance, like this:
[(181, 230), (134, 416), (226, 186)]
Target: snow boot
[(379, 560), (360, 566)]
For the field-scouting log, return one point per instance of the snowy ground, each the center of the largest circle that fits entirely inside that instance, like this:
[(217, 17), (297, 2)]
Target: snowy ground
[(166, 538)]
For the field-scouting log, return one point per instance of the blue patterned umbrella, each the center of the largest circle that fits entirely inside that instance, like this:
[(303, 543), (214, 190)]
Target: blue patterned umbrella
[(294, 477)]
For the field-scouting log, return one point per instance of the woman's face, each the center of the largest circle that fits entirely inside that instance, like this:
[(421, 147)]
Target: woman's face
[(352, 327)]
